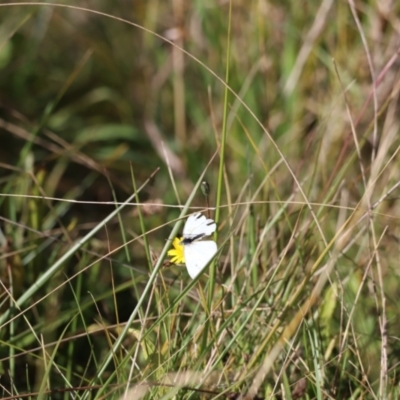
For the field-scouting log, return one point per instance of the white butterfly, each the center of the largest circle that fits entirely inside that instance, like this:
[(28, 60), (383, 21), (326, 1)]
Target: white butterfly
[(198, 252)]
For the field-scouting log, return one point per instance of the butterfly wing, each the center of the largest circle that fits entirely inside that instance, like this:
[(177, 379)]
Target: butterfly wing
[(197, 255), (197, 225)]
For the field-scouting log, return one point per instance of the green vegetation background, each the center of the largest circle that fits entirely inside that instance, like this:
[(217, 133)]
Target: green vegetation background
[(100, 104)]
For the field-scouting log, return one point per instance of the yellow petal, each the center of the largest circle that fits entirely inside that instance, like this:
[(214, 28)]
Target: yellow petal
[(177, 252)]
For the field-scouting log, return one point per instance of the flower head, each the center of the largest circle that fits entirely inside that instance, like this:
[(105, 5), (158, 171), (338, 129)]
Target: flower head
[(176, 253)]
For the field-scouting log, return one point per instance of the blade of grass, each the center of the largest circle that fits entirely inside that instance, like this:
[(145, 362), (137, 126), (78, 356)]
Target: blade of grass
[(220, 170), (59, 263)]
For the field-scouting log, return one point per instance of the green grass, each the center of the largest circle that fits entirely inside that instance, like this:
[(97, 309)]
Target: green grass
[(108, 130)]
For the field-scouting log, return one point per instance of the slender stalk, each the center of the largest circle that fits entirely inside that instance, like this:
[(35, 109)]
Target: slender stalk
[(221, 164)]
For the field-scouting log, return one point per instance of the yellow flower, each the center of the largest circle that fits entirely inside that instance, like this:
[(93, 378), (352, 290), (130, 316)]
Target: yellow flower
[(177, 252)]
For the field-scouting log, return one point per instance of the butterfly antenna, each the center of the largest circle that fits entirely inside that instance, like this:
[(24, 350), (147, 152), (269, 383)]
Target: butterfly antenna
[(205, 188)]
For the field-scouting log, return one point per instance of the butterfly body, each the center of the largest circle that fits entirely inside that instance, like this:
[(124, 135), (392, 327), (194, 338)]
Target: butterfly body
[(189, 240)]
